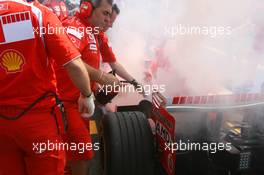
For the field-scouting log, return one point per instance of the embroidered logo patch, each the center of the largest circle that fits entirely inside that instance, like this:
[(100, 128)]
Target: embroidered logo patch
[(12, 61)]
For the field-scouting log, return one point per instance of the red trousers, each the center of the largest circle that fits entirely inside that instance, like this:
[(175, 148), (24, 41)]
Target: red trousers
[(77, 135), (23, 145)]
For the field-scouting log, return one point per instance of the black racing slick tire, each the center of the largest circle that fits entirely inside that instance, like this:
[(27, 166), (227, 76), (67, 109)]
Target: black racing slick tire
[(127, 144)]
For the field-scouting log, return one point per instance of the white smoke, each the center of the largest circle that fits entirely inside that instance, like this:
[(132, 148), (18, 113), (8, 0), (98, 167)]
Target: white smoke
[(200, 63)]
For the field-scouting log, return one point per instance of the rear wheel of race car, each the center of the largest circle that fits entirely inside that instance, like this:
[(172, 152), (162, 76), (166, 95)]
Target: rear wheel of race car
[(127, 145)]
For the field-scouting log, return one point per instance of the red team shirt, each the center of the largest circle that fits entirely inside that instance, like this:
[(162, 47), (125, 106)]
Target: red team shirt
[(24, 54), (87, 44), (105, 49)]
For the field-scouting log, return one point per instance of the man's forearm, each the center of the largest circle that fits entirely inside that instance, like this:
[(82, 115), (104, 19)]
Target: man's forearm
[(101, 77), (94, 73), (121, 71), (79, 76)]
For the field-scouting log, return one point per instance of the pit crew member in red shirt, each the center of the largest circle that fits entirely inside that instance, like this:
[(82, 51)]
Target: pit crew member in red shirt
[(81, 29), (27, 92)]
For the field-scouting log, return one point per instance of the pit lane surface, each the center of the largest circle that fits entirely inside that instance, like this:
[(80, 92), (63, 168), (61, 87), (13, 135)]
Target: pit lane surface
[(94, 124)]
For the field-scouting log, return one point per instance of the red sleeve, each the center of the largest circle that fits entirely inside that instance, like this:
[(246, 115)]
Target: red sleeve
[(106, 51), (58, 44), (76, 36)]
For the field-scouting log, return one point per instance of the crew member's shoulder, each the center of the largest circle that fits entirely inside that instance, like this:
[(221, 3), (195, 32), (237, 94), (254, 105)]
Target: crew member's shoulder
[(72, 21), (74, 28)]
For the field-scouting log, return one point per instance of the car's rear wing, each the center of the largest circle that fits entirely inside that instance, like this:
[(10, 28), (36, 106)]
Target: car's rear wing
[(219, 99), (209, 102)]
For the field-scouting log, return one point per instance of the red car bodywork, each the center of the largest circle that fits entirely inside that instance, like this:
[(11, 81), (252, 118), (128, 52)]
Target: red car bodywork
[(166, 121)]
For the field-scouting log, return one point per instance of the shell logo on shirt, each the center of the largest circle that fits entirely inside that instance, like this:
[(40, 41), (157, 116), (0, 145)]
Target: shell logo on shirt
[(12, 61)]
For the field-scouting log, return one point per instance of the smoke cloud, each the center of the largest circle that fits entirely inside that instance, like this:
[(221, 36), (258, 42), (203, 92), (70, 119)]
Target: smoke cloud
[(210, 45)]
